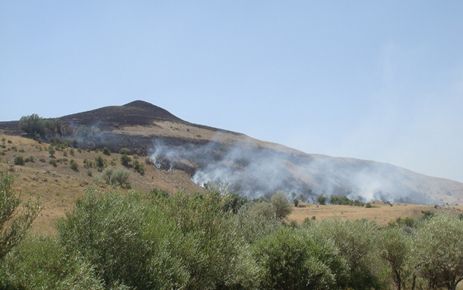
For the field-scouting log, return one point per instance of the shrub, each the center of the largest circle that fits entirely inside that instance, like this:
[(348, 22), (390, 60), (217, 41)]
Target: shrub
[(321, 199), (281, 205), (42, 263), (14, 220), (36, 126), (214, 255), (107, 231), (232, 202), (30, 159), (341, 200), (33, 125), (438, 251), (356, 241), (53, 162), (117, 178), (19, 160), (73, 165), (291, 259), (395, 249), (106, 151), (100, 163), (126, 160), (51, 151), (139, 167)]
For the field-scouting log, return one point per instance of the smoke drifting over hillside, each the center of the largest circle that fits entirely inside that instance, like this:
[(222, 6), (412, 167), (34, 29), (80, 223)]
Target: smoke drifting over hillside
[(254, 171)]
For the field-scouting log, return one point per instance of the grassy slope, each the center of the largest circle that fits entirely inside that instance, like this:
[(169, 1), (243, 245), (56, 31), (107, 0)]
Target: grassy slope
[(59, 187)]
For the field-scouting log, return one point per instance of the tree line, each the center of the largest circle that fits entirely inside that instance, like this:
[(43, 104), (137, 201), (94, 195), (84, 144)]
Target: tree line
[(210, 241)]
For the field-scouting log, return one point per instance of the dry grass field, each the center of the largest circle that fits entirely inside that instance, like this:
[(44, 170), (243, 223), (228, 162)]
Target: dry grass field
[(379, 212)]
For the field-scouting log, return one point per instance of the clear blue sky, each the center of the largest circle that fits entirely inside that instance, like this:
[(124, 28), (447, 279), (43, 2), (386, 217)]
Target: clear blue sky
[(379, 80)]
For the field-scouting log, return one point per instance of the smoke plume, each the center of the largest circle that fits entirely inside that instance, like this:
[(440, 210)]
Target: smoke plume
[(255, 171)]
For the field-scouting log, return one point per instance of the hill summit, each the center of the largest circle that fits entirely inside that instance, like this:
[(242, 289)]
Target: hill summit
[(134, 113)]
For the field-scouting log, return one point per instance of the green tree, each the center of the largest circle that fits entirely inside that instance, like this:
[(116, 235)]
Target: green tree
[(281, 204), (395, 249), (356, 241), (215, 254), (292, 259), (438, 249), (321, 199), (15, 220), (107, 231), (42, 263)]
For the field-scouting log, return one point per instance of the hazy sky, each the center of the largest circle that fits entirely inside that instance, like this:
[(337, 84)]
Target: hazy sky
[(379, 80)]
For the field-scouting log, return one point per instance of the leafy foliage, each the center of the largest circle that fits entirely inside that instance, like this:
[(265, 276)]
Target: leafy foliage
[(281, 205), (14, 220)]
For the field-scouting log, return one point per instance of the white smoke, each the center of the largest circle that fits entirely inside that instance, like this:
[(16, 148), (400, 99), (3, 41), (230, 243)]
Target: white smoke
[(254, 171)]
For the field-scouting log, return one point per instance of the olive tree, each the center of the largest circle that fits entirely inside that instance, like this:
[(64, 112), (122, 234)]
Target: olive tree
[(15, 220), (438, 250), (281, 205), (395, 246), (356, 241), (293, 259)]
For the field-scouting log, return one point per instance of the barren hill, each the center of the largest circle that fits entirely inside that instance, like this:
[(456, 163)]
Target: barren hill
[(235, 162)]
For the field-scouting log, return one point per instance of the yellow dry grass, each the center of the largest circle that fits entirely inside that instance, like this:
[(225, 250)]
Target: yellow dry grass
[(380, 212)]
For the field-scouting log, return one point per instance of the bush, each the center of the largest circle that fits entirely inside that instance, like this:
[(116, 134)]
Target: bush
[(107, 231), (42, 263), (30, 159), (321, 199), (19, 160), (438, 251), (281, 205), (100, 163), (341, 200), (51, 151), (33, 125), (356, 241), (126, 160), (14, 220), (291, 259), (139, 167), (206, 241), (36, 126), (117, 178), (395, 249), (106, 151), (53, 162), (73, 165)]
